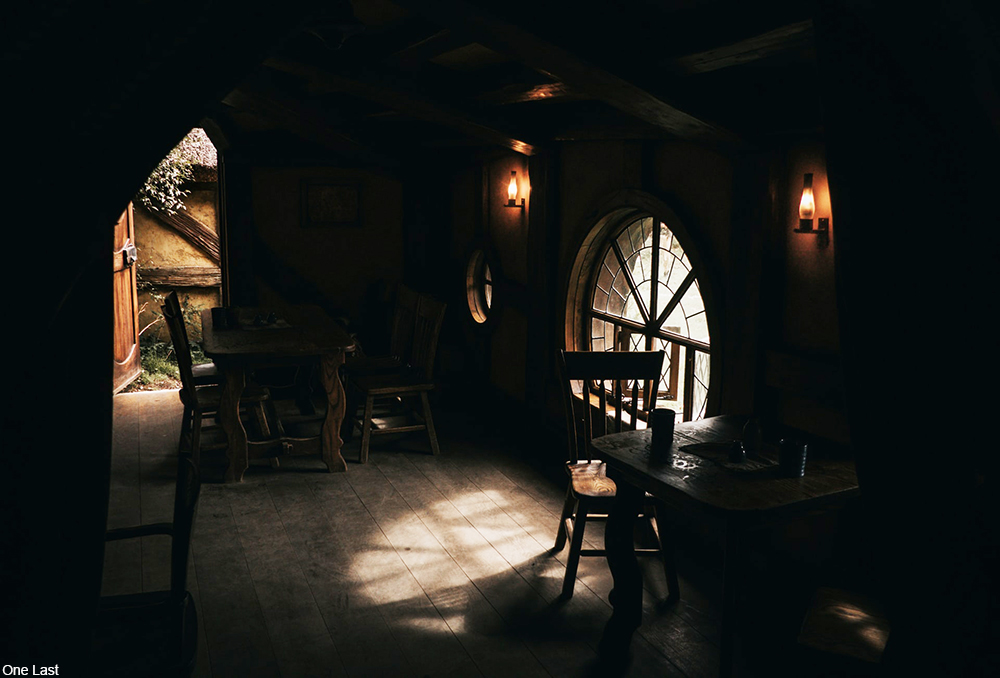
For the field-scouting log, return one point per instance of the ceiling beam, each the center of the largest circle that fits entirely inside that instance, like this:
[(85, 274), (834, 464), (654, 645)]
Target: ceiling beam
[(517, 94), (372, 87), (783, 39), (565, 66), (413, 56)]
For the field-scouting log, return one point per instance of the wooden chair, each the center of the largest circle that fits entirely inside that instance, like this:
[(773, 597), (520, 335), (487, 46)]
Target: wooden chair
[(205, 374), (404, 318), (154, 633), (201, 401), (400, 387), (590, 492)]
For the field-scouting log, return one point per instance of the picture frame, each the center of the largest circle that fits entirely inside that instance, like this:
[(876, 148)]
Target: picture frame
[(330, 204)]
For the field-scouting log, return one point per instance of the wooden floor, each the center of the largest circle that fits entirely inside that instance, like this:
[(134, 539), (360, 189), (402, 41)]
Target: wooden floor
[(411, 565)]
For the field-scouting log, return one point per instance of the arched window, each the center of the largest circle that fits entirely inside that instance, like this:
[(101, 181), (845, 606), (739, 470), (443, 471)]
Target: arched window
[(644, 296)]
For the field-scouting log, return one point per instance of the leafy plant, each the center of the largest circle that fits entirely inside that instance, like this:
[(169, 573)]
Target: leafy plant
[(162, 190)]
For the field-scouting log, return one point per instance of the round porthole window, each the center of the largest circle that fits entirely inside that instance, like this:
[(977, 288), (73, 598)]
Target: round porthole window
[(479, 286)]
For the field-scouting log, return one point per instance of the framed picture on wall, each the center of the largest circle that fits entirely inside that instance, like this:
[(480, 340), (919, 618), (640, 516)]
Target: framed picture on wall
[(330, 204)]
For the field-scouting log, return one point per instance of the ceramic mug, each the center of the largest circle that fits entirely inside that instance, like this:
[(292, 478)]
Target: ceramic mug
[(661, 421)]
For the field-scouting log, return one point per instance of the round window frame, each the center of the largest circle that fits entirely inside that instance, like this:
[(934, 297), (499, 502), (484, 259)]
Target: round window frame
[(475, 286)]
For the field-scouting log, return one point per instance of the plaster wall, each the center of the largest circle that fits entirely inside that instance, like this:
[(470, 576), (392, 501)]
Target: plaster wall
[(160, 246)]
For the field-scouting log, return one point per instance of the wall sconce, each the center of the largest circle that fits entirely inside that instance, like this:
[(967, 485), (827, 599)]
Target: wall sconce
[(807, 207), (512, 192)]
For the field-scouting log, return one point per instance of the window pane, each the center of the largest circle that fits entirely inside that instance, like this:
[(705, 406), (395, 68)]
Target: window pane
[(647, 232), (596, 328), (600, 299), (620, 285), (646, 262), (666, 237), (676, 278), (644, 291), (676, 322), (692, 301), (676, 249), (632, 309), (666, 266), (625, 243), (635, 235), (701, 361), (615, 303), (488, 294), (698, 327), (634, 265)]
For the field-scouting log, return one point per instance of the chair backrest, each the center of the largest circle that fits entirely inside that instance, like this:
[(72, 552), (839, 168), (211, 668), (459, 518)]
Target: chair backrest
[(427, 328), (185, 505), (182, 349), (403, 321), (627, 376)]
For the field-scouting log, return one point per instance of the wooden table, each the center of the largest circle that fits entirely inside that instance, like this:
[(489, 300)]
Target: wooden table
[(704, 486), (305, 335)]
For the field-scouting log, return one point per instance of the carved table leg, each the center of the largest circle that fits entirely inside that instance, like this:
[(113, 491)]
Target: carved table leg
[(626, 596), (336, 406), (229, 415)]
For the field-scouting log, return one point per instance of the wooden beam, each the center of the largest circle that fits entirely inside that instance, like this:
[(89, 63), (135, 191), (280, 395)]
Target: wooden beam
[(783, 39), (373, 87), (517, 94), (192, 230), (182, 276), (566, 67), (415, 55)]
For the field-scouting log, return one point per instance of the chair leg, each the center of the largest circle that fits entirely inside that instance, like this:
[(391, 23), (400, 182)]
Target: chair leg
[(185, 429), (261, 416), (429, 421), (366, 429), (575, 546), (196, 438), (667, 554), (567, 513)]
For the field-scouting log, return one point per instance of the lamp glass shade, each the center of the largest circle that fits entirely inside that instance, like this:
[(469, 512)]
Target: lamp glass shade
[(807, 205), (512, 187)]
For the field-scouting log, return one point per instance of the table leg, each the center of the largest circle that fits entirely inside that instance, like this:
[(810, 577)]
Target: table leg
[(626, 596), (730, 583), (336, 406), (229, 416)]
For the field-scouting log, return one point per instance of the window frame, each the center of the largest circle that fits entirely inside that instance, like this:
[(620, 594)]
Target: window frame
[(615, 214)]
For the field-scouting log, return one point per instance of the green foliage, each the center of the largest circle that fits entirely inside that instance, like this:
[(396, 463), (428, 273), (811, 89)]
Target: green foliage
[(158, 364), (162, 191), (156, 357)]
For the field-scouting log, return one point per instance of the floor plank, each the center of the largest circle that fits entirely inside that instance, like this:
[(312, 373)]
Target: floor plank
[(290, 612), (364, 643), (411, 565), (421, 633), (476, 623)]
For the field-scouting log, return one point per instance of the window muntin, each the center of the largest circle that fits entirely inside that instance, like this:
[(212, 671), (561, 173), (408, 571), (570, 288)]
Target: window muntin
[(645, 298)]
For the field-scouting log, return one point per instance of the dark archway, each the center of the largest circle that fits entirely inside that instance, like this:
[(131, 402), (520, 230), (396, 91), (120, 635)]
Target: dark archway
[(104, 93)]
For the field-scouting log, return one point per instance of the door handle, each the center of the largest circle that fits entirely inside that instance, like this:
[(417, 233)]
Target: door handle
[(131, 254)]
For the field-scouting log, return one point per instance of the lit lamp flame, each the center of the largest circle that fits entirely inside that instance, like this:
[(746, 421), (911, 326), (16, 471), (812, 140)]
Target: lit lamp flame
[(807, 205), (512, 189)]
